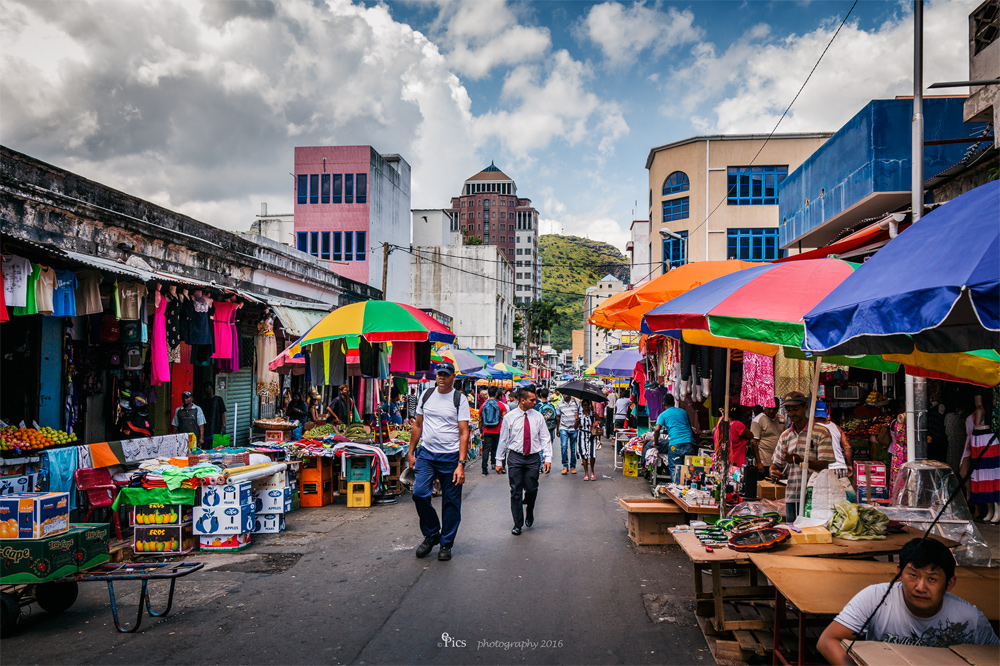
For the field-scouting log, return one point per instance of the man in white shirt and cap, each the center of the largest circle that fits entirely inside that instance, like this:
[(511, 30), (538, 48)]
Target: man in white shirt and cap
[(526, 447)]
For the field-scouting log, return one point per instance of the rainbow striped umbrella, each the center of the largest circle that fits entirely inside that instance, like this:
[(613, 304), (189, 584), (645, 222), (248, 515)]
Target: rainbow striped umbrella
[(378, 321), (509, 371), (465, 361)]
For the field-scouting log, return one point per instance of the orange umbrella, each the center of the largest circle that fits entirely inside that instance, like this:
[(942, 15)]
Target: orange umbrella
[(625, 311)]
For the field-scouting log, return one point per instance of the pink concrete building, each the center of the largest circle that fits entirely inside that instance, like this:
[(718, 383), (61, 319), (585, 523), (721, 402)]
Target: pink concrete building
[(349, 200)]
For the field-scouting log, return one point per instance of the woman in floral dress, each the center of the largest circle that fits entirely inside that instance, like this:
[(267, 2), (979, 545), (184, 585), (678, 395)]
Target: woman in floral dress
[(898, 448)]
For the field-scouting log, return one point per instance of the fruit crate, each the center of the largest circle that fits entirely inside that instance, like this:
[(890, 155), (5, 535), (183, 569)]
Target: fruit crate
[(161, 514), (163, 539)]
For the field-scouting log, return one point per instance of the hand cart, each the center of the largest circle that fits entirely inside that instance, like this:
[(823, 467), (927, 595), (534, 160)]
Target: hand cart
[(59, 595)]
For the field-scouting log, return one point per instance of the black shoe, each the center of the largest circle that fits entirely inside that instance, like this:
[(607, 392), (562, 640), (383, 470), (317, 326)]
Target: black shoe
[(485, 473), (529, 519), (425, 548), (516, 531), (444, 554)]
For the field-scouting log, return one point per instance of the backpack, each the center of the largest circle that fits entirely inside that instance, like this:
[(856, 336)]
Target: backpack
[(490, 413), (456, 395), (549, 412)]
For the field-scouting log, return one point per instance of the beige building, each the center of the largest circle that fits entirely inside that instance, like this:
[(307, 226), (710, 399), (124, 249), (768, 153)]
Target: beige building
[(598, 342), (577, 348), (716, 197)]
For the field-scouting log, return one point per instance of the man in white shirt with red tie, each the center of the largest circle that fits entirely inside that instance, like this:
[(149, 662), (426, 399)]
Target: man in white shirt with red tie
[(526, 447)]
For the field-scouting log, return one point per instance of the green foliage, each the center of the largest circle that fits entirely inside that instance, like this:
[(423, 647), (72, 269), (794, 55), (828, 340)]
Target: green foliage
[(571, 264), (468, 239)]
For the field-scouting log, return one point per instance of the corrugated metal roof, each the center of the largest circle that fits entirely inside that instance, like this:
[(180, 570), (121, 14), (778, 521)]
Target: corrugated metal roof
[(110, 265), (296, 320)]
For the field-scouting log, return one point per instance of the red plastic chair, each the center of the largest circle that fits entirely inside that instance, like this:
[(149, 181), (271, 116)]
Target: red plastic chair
[(101, 493)]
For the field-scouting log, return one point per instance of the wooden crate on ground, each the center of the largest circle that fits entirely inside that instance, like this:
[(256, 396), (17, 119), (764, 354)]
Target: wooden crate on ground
[(650, 519)]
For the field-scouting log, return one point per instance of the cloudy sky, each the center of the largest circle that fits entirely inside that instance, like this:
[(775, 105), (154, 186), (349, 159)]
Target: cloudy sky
[(198, 105)]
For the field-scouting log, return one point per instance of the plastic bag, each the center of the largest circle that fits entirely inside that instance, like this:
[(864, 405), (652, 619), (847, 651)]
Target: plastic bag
[(825, 490), (857, 522)]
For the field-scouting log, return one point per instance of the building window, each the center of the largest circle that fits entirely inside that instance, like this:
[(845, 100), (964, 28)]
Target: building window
[(348, 188), (314, 188), (675, 182), (361, 245), (463, 216), (675, 209), (301, 188), (324, 246), (348, 246), (362, 186), (675, 251), (754, 186), (753, 244), (338, 250), (324, 188), (314, 243), (338, 188), (302, 241)]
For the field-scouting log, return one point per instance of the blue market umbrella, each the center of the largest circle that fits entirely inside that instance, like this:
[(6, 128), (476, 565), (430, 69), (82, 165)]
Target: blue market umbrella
[(934, 288), (620, 363)]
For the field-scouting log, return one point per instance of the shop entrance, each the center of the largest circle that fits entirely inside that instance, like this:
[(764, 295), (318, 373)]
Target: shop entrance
[(20, 349)]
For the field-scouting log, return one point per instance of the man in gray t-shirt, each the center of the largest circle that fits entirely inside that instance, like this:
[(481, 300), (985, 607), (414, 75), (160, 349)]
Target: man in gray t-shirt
[(567, 412)]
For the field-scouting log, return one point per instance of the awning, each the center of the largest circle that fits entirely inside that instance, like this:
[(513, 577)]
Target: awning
[(870, 238), (297, 321)]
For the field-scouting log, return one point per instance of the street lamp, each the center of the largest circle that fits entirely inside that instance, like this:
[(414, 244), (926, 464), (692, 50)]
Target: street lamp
[(667, 233)]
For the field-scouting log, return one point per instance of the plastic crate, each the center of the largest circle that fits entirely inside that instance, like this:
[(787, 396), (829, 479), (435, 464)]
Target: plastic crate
[(313, 494), (359, 494)]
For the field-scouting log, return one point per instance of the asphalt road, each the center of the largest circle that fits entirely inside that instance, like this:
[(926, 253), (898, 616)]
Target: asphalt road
[(343, 586)]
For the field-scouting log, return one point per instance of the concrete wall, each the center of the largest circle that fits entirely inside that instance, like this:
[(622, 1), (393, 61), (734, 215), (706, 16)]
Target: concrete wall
[(431, 227), (641, 251), (983, 104), (389, 197), (473, 284), (597, 339), (705, 161)]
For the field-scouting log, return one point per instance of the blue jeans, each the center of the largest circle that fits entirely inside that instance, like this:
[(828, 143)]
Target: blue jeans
[(675, 458), (442, 466), (567, 438)]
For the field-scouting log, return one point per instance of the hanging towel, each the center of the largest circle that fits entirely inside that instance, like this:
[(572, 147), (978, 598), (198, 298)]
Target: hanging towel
[(327, 358), (368, 357), (401, 359), (758, 380), (338, 363), (62, 464)]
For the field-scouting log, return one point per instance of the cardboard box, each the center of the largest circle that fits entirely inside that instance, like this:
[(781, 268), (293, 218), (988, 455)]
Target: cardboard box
[(225, 543), (649, 520), (34, 515), (91, 543), (37, 560), (686, 472), (276, 481), (273, 501), (770, 490), (698, 461), (269, 523), (811, 535), (161, 514), (878, 473), (229, 495), (223, 519), (162, 539), (23, 483), (878, 493)]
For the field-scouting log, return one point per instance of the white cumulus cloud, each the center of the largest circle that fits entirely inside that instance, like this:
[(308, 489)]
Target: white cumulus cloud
[(623, 32)]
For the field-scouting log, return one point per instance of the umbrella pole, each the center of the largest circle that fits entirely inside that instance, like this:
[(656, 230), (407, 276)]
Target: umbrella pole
[(724, 434), (809, 429)]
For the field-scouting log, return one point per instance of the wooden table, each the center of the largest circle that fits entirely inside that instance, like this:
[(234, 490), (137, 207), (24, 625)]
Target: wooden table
[(873, 653), (823, 586), (724, 557), (693, 508)]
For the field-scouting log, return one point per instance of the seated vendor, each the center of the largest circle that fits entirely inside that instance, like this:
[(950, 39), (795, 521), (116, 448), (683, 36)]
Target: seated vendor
[(918, 611)]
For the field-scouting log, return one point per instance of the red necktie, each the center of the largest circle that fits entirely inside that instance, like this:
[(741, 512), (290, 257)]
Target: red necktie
[(527, 436)]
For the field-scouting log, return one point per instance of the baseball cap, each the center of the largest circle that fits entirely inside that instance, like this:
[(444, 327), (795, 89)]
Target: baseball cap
[(446, 368), (186, 394), (795, 398), (821, 410)]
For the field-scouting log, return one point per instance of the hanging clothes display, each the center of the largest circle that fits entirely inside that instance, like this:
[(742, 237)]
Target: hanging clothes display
[(231, 363), (130, 296), (984, 486), (791, 374), (195, 311), (401, 359), (88, 293), (29, 307), (368, 357), (338, 363), (267, 349), (421, 356), (16, 271), (45, 285), (222, 317), (64, 294), (172, 322), (758, 380), (639, 377), (654, 402), (158, 343), (383, 362), (4, 317)]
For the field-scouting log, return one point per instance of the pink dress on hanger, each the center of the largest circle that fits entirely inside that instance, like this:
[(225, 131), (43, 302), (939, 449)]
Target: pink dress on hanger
[(158, 345), (224, 314)]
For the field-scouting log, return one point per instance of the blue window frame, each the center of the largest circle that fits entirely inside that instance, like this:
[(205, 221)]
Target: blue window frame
[(360, 245), (754, 186), (338, 188), (753, 244), (314, 188), (361, 185), (324, 246), (675, 252), (348, 246), (302, 241), (675, 182), (675, 209), (301, 188), (338, 252), (314, 243), (324, 188), (348, 188)]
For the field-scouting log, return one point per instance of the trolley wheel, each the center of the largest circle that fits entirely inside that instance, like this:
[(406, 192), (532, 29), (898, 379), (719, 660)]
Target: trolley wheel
[(10, 613), (56, 597)]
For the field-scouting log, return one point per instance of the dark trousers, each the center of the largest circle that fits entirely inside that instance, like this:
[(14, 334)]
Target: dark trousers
[(523, 473), (441, 466), (490, 441)]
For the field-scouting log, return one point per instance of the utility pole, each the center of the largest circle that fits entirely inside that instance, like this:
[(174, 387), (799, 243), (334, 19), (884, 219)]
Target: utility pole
[(385, 267)]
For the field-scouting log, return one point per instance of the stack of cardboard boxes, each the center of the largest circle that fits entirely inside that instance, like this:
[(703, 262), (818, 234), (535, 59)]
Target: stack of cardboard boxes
[(225, 516), (272, 500)]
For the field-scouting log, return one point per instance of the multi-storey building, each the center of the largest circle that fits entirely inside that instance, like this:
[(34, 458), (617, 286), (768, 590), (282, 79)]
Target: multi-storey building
[(716, 197), (349, 201), (598, 341), (490, 210)]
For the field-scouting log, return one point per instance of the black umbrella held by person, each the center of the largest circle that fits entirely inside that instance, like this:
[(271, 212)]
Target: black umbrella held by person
[(583, 390)]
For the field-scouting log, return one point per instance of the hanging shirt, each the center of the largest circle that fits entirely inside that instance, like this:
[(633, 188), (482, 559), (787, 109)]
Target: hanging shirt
[(88, 293), (16, 271), (30, 307), (130, 295), (64, 295), (3, 303), (44, 286)]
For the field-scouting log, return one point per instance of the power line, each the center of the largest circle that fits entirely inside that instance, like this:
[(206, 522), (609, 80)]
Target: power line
[(787, 109)]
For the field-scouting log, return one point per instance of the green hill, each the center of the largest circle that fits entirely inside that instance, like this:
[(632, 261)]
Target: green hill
[(570, 264)]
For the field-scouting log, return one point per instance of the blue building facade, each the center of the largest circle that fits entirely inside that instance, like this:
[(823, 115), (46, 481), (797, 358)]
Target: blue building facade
[(864, 170)]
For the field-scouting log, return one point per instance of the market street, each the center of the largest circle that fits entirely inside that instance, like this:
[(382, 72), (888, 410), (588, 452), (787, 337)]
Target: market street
[(355, 593)]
